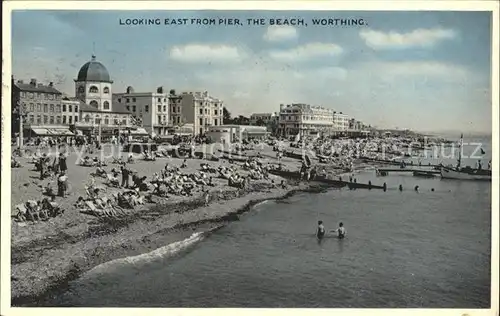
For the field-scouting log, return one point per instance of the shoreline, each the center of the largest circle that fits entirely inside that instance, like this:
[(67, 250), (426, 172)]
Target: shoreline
[(63, 264)]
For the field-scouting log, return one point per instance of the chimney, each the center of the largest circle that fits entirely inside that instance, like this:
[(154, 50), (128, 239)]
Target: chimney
[(33, 82), (20, 81), (51, 84)]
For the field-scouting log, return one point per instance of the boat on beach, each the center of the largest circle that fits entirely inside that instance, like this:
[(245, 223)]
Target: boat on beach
[(465, 173)]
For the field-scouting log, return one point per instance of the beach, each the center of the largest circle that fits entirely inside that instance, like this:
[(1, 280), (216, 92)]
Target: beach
[(47, 254)]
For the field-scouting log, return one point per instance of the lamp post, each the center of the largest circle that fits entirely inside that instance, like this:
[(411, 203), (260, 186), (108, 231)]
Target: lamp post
[(19, 110)]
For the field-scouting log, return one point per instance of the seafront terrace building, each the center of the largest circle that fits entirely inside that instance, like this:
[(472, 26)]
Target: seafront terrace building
[(197, 109), (304, 120), (340, 121), (40, 107), (150, 108)]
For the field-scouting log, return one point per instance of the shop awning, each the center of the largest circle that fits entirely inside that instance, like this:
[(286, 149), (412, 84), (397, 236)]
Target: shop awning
[(40, 131), (59, 132)]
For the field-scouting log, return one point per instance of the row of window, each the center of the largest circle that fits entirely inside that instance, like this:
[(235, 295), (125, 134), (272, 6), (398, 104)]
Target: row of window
[(207, 112), (105, 104), (46, 119), (93, 89), (39, 95), (107, 120), (313, 118), (48, 108), (216, 121)]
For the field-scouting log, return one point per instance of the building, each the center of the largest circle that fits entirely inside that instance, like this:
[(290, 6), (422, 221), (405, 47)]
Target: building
[(304, 120), (270, 120), (340, 121), (356, 125), (70, 110), (263, 119), (151, 108), (40, 107), (227, 134), (197, 108), (98, 113), (93, 85)]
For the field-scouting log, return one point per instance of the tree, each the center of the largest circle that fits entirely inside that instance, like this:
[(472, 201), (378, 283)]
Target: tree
[(226, 116), (260, 122)]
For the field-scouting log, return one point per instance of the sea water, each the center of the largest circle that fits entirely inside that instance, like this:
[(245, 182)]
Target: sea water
[(403, 249)]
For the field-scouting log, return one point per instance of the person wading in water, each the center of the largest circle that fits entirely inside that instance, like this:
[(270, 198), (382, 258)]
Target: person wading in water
[(341, 232), (320, 232)]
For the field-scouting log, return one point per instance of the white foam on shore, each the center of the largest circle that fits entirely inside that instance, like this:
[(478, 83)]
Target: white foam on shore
[(139, 260)]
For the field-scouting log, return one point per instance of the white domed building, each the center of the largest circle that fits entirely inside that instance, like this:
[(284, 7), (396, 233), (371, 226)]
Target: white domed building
[(93, 90)]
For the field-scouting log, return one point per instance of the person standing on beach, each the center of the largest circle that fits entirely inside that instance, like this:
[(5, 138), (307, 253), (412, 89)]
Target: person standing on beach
[(125, 176), (63, 166)]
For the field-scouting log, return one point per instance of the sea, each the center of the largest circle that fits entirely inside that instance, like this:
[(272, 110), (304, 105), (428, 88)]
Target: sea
[(404, 249)]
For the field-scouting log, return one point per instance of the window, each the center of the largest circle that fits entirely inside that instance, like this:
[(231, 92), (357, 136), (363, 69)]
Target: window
[(39, 119), (146, 108), (97, 120), (178, 119), (206, 111), (39, 107), (124, 121), (206, 121), (22, 94), (119, 100), (178, 109), (64, 107), (215, 122), (92, 103), (133, 99), (201, 121), (58, 108), (45, 119), (173, 109), (106, 120), (215, 112), (133, 108), (128, 100), (70, 108), (45, 108), (32, 119), (106, 90), (159, 108), (58, 119), (52, 108), (76, 118), (69, 118), (64, 119), (30, 95), (81, 90), (51, 121), (159, 119), (76, 108), (128, 108), (93, 89), (164, 108), (159, 100), (201, 111), (106, 105), (51, 96), (87, 118)]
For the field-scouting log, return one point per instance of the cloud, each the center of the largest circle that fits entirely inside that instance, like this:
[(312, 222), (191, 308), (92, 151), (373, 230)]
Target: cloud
[(199, 53), (424, 69), (306, 52), (280, 33), (394, 40)]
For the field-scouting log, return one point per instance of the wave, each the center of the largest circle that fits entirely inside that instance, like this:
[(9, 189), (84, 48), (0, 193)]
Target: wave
[(140, 260)]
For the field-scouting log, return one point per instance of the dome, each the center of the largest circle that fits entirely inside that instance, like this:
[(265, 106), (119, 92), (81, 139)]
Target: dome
[(93, 71)]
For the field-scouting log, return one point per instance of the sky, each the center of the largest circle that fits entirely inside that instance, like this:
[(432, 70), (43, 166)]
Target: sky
[(428, 71)]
